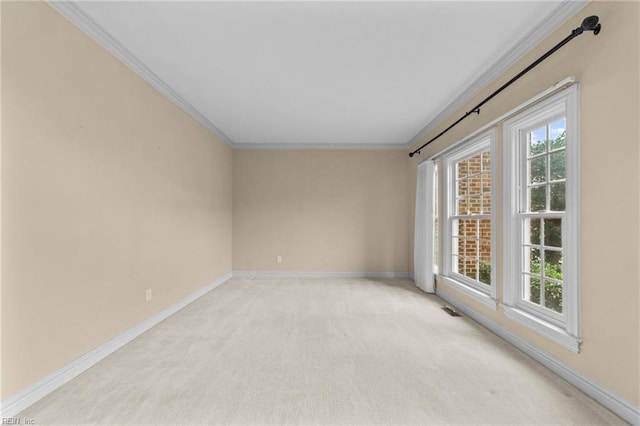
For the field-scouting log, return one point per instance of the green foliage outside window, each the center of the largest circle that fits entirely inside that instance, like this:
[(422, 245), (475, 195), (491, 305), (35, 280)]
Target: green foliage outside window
[(485, 274), (552, 228), (552, 291), (557, 170)]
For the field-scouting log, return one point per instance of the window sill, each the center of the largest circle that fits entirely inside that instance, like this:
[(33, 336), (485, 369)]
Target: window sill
[(550, 331), (477, 295)]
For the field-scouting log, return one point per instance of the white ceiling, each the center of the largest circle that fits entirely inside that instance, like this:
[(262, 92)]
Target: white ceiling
[(372, 73)]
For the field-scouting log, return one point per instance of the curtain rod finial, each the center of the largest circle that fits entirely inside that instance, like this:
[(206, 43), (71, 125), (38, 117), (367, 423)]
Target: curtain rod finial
[(590, 23)]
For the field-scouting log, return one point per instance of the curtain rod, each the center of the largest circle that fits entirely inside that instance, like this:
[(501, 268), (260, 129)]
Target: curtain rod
[(589, 23), (541, 97)]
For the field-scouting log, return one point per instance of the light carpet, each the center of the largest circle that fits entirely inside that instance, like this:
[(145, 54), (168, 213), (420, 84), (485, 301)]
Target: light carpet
[(316, 351)]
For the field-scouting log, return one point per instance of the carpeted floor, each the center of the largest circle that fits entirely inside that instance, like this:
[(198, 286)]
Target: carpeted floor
[(339, 351)]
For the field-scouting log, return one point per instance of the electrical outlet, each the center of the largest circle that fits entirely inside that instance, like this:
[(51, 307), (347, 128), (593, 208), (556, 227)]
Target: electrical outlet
[(148, 295), (279, 259)]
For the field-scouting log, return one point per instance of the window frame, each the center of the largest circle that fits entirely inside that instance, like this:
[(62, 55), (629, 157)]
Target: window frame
[(562, 328), (480, 292)]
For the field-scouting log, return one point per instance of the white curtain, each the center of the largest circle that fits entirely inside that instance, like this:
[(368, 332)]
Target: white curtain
[(423, 237)]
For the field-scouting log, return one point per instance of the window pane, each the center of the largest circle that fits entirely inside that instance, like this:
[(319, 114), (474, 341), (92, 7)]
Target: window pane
[(486, 182), (485, 251), (532, 257), (486, 203), (460, 265), (475, 164), (461, 169), (553, 296), (474, 185), (470, 228), (473, 197), (531, 291), (471, 269), (474, 205), (462, 206), (557, 133), (461, 188), (485, 274), (485, 229), (553, 264), (471, 248), (533, 226), (538, 169), (553, 232), (558, 165), (486, 161), (461, 247), (557, 197), (537, 141), (538, 199)]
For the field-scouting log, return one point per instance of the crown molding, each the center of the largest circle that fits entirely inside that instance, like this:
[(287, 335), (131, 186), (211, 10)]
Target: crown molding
[(322, 146), (549, 24), (82, 20)]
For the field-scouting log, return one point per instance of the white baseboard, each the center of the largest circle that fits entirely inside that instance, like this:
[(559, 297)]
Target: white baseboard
[(23, 399), (613, 402), (301, 274)]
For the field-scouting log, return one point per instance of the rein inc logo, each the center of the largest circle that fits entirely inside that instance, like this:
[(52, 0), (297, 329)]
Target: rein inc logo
[(18, 421)]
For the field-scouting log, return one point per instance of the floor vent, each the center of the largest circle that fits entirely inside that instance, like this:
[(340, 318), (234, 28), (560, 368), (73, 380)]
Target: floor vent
[(451, 311)]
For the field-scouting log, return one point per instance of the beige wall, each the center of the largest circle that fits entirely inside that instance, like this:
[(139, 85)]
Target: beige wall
[(607, 67), (107, 189), (320, 210)]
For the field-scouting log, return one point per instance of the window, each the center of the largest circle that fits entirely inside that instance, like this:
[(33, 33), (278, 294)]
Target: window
[(541, 220), (469, 234)]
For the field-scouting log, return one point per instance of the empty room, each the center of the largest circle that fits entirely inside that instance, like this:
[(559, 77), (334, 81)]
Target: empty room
[(320, 212)]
